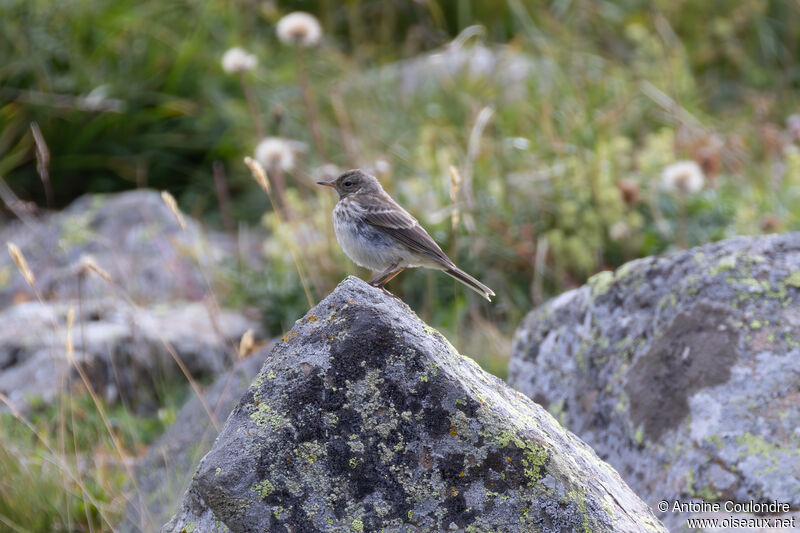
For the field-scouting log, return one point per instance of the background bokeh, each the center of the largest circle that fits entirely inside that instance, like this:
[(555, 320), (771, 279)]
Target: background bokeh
[(534, 140)]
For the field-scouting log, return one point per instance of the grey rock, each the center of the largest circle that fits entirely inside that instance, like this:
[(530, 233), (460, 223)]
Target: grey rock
[(365, 419), (157, 302), (167, 468), (123, 350), (682, 372), (506, 67), (131, 235)]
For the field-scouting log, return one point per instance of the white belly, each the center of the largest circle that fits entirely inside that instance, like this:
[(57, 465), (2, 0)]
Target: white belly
[(367, 246)]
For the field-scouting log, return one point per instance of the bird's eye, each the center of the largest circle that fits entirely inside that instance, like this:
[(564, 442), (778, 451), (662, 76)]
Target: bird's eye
[(348, 183)]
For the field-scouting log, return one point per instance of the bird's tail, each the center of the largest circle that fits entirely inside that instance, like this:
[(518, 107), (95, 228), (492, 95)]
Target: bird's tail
[(471, 282)]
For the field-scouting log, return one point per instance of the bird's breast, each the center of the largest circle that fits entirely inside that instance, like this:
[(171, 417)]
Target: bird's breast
[(365, 245)]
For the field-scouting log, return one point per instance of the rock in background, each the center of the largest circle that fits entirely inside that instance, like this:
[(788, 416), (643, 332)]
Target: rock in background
[(506, 65), (365, 419), (126, 352), (127, 332), (682, 372), (131, 235)]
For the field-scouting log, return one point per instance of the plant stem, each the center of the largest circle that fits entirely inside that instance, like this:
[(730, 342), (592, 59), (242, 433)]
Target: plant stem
[(345, 126), (252, 105), (308, 100), (261, 177), (683, 240), (276, 176), (221, 185)]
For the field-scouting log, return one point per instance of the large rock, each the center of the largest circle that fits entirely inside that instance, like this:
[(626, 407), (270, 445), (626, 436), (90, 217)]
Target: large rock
[(167, 468), (504, 66), (365, 419), (126, 352), (132, 235), (682, 372), (127, 332)]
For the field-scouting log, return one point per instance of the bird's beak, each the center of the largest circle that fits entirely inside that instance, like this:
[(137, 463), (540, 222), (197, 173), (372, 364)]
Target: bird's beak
[(327, 184)]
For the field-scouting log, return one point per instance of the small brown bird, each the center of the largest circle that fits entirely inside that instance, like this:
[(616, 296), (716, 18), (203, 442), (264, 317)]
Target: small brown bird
[(378, 234)]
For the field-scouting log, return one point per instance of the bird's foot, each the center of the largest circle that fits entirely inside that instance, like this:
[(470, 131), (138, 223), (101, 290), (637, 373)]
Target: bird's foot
[(385, 291), (384, 278), (390, 294)]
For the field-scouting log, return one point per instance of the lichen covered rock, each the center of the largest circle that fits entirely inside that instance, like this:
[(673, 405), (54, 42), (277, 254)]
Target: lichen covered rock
[(682, 372), (365, 419)]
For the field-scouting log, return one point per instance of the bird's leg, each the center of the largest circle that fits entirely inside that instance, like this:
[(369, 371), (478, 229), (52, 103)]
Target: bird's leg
[(389, 278), (374, 281)]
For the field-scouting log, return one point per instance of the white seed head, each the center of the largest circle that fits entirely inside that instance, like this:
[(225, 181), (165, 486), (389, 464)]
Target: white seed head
[(619, 231), (685, 177), (299, 29), (383, 167), (275, 153), (238, 60)]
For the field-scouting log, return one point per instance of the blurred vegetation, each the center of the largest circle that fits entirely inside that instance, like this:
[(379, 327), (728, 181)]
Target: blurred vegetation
[(559, 125), (60, 467)]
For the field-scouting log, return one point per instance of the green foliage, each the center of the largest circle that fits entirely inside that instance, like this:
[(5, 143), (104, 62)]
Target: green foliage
[(38, 496), (85, 428), (47, 481), (121, 91), (277, 294)]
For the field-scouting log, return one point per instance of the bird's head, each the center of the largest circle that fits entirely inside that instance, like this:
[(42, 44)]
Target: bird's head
[(353, 182)]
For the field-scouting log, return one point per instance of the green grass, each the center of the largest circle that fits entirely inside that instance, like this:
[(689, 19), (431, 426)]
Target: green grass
[(61, 471)]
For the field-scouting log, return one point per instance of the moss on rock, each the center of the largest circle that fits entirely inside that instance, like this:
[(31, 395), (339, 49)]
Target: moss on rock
[(374, 422), (680, 368)]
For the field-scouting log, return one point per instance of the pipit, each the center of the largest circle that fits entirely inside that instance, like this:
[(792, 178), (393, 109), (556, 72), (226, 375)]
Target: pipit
[(378, 234)]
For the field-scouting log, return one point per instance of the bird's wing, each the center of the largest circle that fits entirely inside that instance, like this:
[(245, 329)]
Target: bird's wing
[(385, 215)]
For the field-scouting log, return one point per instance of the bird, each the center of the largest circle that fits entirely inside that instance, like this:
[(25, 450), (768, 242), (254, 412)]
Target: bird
[(378, 234)]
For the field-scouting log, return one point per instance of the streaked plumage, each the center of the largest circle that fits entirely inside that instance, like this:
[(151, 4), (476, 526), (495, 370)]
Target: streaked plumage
[(378, 234)]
